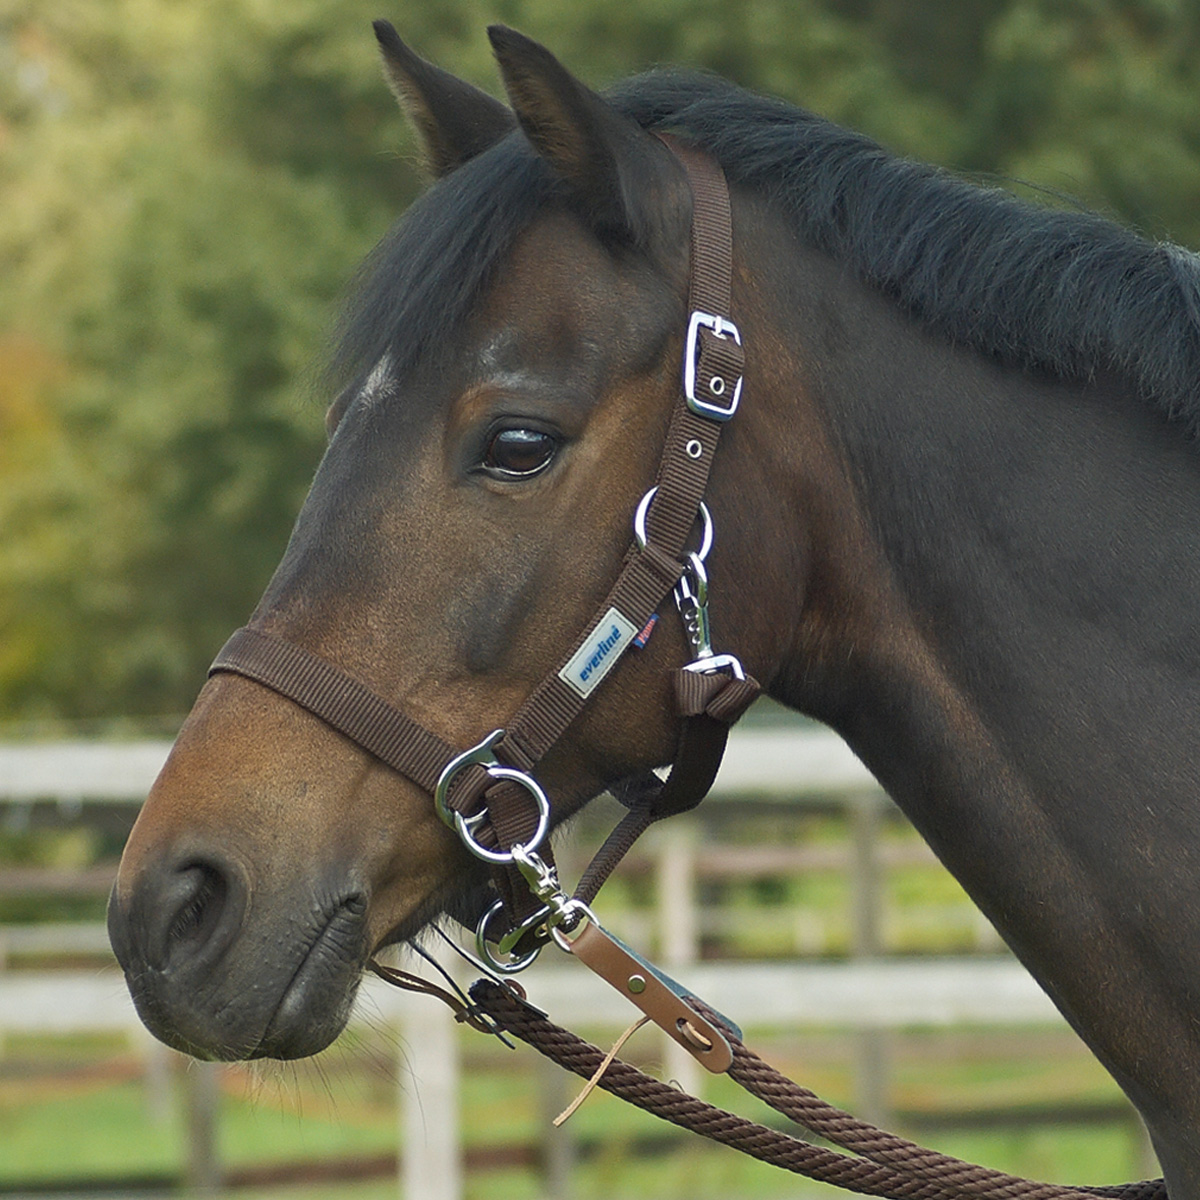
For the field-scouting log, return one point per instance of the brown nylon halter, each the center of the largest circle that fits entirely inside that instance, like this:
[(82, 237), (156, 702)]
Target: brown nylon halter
[(489, 788)]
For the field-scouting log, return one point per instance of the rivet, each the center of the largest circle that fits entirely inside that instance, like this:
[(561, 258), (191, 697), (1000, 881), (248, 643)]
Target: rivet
[(636, 984), (717, 386), (693, 449)]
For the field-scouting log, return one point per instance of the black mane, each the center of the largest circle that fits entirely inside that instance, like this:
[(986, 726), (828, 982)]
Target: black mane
[(1065, 293)]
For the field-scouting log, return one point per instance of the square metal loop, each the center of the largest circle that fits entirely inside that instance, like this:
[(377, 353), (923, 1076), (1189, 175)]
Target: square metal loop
[(724, 404)]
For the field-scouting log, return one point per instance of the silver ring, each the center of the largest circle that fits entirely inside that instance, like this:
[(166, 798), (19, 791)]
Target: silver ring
[(513, 965), (466, 826), (693, 449), (639, 524)]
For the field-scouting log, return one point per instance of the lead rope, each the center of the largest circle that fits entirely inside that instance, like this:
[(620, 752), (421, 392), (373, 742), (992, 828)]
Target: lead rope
[(878, 1163)]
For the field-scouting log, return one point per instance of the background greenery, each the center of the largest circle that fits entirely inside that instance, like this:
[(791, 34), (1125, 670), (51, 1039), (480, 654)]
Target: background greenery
[(185, 187)]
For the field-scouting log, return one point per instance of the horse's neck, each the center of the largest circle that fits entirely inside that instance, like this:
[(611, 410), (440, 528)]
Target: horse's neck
[(1020, 665), (1043, 540)]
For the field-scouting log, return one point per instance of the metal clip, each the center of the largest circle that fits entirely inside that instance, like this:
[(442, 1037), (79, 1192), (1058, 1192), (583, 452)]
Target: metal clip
[(691, 598), (711, 663), (558, 909)]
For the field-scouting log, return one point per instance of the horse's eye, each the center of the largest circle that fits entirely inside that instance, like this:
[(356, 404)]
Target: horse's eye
[(516, 453)]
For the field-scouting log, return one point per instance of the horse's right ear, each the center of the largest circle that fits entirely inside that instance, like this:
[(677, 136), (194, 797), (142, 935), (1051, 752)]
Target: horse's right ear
[(622, 179), (454, 119)]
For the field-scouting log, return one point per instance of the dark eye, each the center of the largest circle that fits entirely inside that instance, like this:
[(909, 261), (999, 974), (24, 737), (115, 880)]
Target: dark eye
[(515, 453)]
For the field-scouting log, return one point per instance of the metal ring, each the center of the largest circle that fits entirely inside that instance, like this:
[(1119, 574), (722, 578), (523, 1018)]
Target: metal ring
[(466, 826), (693, 449), (482, 754), (639, 524), (513, 965)]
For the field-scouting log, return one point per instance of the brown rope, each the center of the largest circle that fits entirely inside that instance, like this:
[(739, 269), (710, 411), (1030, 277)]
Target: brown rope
[(879, 1163)]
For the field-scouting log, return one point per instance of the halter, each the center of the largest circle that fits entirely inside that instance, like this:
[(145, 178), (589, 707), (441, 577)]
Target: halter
[(488, 793)]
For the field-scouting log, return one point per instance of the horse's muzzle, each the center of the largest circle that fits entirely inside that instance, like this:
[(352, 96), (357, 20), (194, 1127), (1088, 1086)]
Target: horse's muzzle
[(211, 977)]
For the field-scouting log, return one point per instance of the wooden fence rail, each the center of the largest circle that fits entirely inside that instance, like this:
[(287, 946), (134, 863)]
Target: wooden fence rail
[(869, 994)]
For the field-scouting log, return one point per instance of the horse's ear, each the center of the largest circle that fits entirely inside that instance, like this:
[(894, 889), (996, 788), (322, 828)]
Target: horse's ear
[(454, 119), (600, 152)]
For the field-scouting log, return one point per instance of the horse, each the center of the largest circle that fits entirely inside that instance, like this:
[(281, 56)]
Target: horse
[(957, 519)]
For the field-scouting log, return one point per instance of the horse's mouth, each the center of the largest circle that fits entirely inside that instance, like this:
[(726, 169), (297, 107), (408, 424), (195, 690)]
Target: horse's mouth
[(276, 993), (316, 1002)]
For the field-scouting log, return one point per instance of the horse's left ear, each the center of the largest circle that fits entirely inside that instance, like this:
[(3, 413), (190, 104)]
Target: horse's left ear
[(600, 152)]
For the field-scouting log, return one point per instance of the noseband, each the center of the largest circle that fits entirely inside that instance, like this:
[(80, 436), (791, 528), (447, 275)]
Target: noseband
[(488, 793)]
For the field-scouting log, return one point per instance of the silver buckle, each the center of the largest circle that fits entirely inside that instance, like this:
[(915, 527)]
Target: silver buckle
[(732, 392)]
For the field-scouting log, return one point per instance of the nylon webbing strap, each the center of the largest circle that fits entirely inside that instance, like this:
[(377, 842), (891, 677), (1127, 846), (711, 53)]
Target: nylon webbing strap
[(654, 569), (340, 700)]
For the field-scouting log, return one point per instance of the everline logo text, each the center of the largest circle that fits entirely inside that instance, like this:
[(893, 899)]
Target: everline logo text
[(597, 656), (602, 649)]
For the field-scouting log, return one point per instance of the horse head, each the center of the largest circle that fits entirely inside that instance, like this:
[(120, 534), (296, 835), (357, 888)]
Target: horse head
[(510, 367)]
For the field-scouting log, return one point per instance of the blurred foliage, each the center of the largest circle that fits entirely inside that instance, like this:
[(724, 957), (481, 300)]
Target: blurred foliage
[(186, 187)]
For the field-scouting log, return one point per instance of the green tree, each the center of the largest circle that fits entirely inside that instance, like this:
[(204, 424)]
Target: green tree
[(186, 187)]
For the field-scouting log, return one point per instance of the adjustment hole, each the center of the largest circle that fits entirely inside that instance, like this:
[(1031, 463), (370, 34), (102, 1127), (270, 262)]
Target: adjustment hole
[(692, 1035), (717, 386), (694, 449)]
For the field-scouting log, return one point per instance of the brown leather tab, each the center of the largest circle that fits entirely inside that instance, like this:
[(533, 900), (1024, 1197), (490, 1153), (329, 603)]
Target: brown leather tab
[(600, 952)]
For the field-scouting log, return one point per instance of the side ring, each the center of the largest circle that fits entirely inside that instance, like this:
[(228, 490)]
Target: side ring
[(466, 825), (483, 754), (639, 524)]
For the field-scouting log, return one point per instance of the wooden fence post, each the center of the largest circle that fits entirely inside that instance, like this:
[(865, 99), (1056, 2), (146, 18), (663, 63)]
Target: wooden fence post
[(430, 1153), (865, 811), (557, 1145), (679, 934), (201, 1090)]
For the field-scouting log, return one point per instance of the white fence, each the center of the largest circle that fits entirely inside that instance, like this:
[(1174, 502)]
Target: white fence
[(869, 995), (770, 762)]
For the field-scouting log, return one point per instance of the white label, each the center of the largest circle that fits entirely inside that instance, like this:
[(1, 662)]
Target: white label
[(598, 655)]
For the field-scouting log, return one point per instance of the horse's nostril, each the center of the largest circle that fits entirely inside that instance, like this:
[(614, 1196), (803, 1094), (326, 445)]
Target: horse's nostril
[(201, 892), (181, 915)]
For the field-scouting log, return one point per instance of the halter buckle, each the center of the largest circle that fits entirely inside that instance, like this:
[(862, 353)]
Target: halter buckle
[(710, 406)]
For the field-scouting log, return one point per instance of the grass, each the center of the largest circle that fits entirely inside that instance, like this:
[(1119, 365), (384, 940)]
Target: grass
[(343, 1104)]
